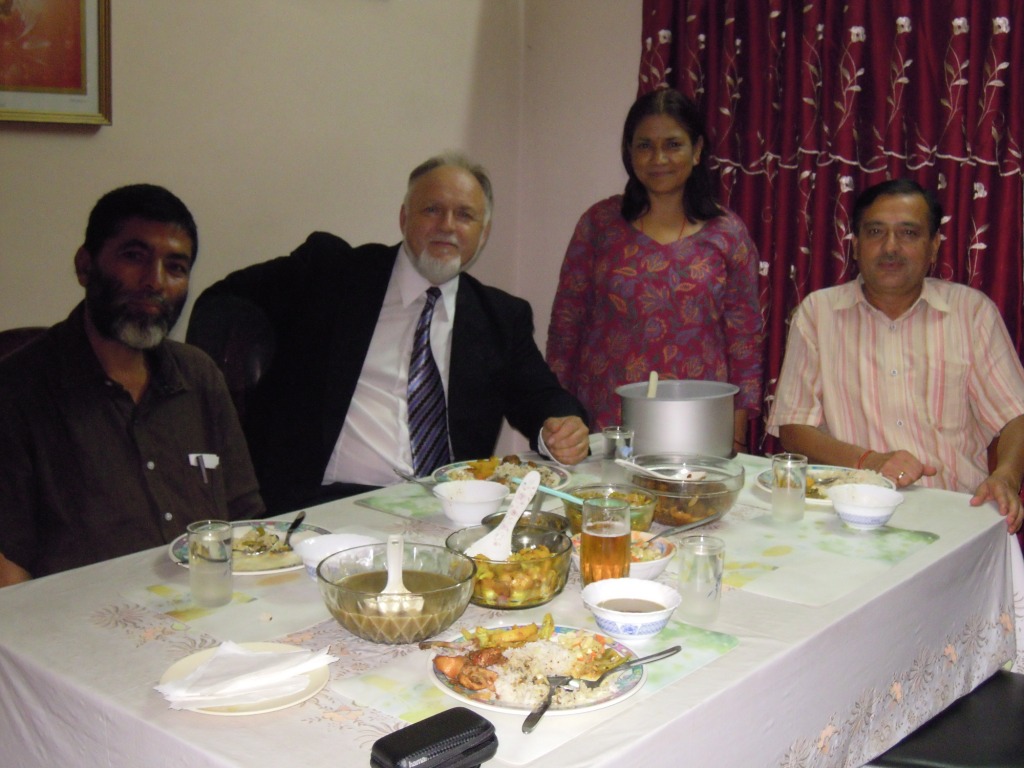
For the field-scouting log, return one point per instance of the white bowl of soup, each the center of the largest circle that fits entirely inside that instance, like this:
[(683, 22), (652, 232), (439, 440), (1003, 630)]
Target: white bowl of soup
[(631, 609)]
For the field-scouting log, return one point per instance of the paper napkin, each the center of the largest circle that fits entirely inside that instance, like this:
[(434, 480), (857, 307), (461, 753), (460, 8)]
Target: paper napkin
[(236, 675)]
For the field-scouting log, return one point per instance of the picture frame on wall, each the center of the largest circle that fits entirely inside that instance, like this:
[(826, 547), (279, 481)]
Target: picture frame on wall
[(55, 61)]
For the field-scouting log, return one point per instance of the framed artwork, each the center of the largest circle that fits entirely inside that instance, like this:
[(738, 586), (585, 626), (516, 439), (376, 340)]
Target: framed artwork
[(55, 61)]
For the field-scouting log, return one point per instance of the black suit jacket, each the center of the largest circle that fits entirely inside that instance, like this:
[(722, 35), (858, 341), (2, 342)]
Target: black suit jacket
[(323, 301)]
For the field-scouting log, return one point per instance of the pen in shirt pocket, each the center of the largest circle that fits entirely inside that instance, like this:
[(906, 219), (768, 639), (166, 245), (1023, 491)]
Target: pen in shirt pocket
[(204, 461)]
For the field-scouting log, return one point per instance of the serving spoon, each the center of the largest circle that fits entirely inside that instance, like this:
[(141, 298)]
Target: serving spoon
[(497, 545), (688, 526), (652, 386), (552, 492), (396, 597), (684, 475)]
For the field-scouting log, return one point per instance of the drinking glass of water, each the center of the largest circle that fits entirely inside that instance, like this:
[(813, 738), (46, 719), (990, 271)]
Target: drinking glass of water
[(618, 442), (209, 562), (701, 561), (789, 486)]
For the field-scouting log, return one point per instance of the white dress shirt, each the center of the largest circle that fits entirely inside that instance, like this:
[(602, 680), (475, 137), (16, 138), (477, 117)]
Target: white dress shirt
[(375, 436)]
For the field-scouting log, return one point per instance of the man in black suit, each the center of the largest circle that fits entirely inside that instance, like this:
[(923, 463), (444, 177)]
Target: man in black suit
[(329, 418)]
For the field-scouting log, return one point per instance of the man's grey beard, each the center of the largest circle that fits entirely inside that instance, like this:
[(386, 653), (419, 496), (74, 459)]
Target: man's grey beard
[(105, 301), (440, 271), (138, 334)]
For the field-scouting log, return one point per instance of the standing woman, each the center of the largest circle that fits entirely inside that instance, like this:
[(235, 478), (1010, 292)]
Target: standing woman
[(660, 278)]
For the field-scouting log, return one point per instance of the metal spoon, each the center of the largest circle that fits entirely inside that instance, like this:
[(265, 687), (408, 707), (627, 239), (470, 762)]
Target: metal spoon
[(688, 526), (553, 681), (680, 476), (287, 547), (634, 663)]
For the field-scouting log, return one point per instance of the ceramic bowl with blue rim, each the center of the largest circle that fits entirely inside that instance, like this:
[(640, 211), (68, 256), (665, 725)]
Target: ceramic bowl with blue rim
[(631, 609), (864, 507)]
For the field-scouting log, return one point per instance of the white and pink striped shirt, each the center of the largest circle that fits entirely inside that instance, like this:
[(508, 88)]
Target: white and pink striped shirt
[(940, 381)]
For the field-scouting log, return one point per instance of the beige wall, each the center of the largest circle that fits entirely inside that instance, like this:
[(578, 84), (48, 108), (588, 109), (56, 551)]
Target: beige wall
[(274, 119)]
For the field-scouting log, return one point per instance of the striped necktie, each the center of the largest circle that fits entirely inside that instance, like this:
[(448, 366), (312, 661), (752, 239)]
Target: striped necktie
[(428, 414)]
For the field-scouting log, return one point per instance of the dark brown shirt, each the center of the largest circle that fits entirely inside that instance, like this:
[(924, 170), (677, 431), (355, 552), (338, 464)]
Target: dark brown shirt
[(87, 475)]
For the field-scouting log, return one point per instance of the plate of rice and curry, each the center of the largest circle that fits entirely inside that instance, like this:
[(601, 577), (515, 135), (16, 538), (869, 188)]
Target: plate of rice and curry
[(503, 470), (822, 476), (504, 669)]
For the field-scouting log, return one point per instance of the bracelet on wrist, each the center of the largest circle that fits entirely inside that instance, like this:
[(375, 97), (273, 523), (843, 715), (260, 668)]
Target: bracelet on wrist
[(860, 461)]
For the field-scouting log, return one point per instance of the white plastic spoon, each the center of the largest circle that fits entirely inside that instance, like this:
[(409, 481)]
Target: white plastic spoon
[(497, 545), (395, 597)]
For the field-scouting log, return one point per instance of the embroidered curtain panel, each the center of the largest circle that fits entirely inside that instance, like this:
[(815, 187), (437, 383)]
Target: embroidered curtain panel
[(810, 101)]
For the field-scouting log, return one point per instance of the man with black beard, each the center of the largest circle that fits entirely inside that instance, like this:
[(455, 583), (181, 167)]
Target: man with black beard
[(112, 437), (340, 405)]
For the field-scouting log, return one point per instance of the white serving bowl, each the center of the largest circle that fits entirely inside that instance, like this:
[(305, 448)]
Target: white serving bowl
[(623, 625), (314, 549), (468, 502), (864, 506), (646, 569)]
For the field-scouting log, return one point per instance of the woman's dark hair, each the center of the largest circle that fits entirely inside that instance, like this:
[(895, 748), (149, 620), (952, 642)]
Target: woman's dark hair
[(141, 201), (698, 198)]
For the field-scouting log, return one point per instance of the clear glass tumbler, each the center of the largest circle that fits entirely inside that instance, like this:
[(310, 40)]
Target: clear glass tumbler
[(209, 562), (701, 562), (618, 442), (789, 486)]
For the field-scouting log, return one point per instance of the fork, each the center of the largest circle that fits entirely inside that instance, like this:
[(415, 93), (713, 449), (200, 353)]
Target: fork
[(413, 479), (553, 681), (634, 663)]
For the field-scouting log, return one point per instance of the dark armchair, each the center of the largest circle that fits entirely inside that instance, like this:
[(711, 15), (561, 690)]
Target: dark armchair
[(15, 338), (239, 338)]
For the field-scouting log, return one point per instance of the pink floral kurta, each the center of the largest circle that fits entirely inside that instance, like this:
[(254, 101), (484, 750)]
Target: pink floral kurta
[(627, 305)]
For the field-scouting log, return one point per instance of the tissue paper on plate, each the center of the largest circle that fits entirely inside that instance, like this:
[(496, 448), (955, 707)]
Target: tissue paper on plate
[(234, 675)]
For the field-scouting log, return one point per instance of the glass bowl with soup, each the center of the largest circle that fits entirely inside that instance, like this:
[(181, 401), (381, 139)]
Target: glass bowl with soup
[(440, 580)]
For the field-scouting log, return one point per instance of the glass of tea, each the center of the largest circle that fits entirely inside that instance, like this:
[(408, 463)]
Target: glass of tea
[(605, 539)]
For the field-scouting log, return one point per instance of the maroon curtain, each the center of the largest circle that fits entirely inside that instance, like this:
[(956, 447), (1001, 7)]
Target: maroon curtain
[(810, 101)]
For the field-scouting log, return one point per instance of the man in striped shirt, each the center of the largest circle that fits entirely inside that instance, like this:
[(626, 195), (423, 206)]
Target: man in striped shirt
[(904, 374)]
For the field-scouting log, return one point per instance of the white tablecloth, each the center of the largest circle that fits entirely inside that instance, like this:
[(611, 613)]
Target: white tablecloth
[(829, 676)]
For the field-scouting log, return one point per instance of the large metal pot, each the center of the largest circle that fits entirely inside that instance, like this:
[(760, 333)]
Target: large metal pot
[(684, 416)]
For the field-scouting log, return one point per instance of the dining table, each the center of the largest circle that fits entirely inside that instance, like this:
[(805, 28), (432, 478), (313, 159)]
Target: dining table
[(830, 645)]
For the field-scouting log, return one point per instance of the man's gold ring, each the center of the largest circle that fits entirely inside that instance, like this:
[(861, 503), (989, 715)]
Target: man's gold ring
[(900, 475)]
